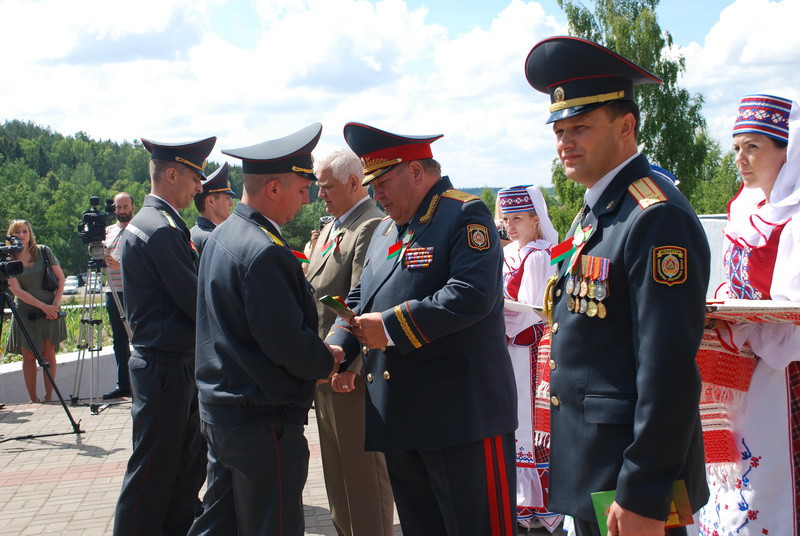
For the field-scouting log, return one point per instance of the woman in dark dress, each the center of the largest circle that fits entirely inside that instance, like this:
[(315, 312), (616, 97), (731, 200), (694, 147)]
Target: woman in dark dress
[(38, 309)]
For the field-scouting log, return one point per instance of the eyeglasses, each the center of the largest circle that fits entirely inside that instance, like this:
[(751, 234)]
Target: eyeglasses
[(20, 221)]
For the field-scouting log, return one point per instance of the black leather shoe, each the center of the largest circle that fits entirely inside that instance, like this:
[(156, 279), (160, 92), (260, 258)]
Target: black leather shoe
[(119, 392)]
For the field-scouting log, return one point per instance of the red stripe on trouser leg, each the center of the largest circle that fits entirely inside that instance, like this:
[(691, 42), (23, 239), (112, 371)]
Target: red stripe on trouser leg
[(491, 487), (280, 482), (505, 503)]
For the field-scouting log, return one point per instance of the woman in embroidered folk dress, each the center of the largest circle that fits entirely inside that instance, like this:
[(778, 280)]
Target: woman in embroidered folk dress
[(757, 493), (525, 272), (48, 330)]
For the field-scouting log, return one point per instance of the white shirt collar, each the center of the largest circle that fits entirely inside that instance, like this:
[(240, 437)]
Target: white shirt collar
[(344, 216), (593, 194), (168, 203), (277, 227)]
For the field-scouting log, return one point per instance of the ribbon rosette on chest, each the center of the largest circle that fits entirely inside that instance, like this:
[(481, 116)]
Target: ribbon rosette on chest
[(333, 241)]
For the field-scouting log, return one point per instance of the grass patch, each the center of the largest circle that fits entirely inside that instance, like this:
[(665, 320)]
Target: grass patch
[(73, 321)]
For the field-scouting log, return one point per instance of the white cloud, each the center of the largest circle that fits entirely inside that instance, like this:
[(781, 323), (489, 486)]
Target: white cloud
[(177, 70), (250, 70), (751, 49)]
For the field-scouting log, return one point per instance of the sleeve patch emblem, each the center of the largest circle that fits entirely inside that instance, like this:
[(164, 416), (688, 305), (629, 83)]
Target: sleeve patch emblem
[(669, 265), (478, 237)]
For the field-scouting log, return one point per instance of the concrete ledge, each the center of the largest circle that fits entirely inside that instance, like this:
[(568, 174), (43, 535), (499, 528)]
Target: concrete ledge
[(12, 386)]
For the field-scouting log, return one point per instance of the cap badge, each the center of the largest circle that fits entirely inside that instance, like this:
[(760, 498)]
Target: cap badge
[(373, 164), (558, 94)]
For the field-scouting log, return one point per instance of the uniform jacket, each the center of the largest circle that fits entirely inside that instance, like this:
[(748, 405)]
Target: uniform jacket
[(339, 270), (625, 388), (159, 276), (200, 232), (257, 342), (448, 378)]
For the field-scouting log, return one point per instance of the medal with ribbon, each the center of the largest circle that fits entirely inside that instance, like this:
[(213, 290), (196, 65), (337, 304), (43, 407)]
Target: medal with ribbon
[(333, 241)]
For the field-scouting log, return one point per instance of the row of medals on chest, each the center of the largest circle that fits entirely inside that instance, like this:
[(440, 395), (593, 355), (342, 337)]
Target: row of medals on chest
[(587, 286)]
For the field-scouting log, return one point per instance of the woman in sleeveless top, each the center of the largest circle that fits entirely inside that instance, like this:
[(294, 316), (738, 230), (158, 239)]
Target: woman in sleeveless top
[(526, 269), (757, 492), (38, 309)]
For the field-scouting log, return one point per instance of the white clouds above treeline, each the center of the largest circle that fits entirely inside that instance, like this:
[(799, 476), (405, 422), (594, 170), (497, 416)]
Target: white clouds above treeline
[(753, 48), (247, 71)]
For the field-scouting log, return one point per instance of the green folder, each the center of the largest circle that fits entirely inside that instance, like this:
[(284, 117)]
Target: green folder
[(680, 511)]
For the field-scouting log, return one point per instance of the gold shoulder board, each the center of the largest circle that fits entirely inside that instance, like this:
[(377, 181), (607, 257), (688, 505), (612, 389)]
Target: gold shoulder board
[(458, 195), (170, 221), (646, 193), (272, 237)]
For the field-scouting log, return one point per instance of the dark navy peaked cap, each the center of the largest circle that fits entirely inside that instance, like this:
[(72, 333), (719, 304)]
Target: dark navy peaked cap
[(290, 154), (192, 154), (218, 182), (380, 151), (580, 75)]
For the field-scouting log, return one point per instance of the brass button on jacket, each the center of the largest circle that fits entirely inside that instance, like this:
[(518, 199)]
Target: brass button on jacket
[(554, 329), (369, 377), (386, 375), (554, 400), (552, 364)]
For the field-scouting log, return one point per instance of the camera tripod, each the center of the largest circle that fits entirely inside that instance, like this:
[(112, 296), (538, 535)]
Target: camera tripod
[(7, 301), (90, 335)]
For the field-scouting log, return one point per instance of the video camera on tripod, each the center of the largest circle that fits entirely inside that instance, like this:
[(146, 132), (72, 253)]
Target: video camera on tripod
[(92, 229), (92, 232), (10, 268)]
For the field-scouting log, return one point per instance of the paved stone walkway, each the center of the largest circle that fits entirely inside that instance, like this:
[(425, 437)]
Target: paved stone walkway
[(68, 484)]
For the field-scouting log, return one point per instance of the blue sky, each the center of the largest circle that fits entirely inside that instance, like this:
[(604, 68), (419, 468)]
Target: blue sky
[(460, 16), (251, 70)]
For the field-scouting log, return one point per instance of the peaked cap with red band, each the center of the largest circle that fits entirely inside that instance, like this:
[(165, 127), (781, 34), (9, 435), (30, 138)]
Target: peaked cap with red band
[(580, 75), (192, 154), (380, 151), (290, 154)]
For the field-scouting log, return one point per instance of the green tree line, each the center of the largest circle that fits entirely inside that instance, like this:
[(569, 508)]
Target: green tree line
[(47, 178), (673, 132)]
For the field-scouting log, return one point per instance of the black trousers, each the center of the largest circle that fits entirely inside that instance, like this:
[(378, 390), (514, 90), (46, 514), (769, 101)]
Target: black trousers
[(460, 490), (122, 349), (167, 466), (256, 475)]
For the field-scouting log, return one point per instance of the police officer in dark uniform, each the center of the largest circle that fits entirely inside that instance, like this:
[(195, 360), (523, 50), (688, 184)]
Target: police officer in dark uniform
[(159, 274), (441, 395), (258, 351), (627, 305), (214, 205)]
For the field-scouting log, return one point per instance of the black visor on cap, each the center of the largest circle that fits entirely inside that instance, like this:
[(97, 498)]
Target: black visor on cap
[(290, 154), (580, 75)]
